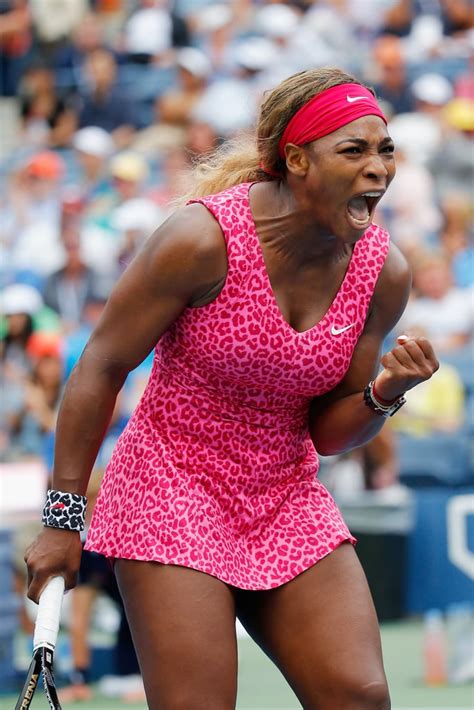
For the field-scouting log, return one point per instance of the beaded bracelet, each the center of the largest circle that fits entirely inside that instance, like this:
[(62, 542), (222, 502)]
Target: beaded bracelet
[(64, 510), (383, 409)]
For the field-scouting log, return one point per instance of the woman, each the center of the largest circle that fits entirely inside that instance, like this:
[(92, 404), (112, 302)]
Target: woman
[(269, 303)]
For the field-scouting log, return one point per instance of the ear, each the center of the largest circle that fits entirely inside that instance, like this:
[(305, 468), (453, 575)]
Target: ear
[(297, 161)]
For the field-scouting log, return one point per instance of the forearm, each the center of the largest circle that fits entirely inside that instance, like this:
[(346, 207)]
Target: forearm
[(344, 425), (83, 419)]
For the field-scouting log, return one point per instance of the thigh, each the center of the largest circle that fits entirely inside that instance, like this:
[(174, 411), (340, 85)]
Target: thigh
[(183, 627), (321, 630)]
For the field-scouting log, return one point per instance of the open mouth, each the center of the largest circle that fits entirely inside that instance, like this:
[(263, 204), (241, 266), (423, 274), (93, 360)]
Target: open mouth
[(361, 208)]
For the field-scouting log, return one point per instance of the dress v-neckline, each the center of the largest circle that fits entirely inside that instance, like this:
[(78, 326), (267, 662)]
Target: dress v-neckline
[(261, 259)]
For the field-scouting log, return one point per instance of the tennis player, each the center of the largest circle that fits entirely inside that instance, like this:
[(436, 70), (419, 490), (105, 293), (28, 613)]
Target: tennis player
[(267, 299)]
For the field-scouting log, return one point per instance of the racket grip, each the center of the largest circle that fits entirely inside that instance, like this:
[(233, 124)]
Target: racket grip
[(49, 611)]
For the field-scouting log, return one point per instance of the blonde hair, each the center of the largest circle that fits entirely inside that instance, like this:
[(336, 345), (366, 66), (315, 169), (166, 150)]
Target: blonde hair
[(240, 159)]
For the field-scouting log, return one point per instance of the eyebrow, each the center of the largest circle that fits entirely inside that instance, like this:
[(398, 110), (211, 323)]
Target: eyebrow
[(362, 142)]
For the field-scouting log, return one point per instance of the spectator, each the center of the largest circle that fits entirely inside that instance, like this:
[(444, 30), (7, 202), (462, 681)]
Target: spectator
[(104, 104), (68, 289), (129, 171), (69, 59), (201, 138), (213, 26), (135, 220), (390, 74), (379, 459), (15, 43), (175, 106), (100, 240), (48, 119), (456, 237), (19, 303), (410, 209), (53, 21), (451, 160), (174, 169), (93, 147), (35, 416), (431, 93), (30, 218), (439, 310), (436, 407), (148, 34)]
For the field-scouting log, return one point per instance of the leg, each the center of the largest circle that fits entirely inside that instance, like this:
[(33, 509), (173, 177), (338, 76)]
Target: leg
[(183, 627), (321, 630)]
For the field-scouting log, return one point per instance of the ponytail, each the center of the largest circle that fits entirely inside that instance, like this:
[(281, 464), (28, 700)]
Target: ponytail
[(232, 163)]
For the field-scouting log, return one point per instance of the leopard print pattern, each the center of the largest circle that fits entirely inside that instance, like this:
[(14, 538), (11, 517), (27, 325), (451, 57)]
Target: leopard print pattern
[(216, 469), (64, 510)]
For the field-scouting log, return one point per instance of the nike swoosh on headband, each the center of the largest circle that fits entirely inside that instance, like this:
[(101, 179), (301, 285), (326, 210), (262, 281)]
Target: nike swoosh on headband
[(351, 99), (338, 331)]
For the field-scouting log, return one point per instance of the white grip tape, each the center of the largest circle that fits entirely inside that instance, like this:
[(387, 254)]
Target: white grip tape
[(49, 611)]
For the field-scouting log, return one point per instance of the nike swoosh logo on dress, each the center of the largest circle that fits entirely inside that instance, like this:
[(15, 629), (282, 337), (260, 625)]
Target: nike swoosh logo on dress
[(338, 331), (351, 99)]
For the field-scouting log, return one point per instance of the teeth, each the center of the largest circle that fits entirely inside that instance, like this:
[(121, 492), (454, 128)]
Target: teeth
[(371, 194)]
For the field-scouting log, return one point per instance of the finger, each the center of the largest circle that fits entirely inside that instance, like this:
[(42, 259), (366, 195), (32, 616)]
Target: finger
[(402, 356), (34, 589), (414, 351), (389, 361), (425, 345)]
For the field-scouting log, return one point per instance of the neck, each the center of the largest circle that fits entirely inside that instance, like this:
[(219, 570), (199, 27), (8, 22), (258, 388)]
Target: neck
[(285, 223)]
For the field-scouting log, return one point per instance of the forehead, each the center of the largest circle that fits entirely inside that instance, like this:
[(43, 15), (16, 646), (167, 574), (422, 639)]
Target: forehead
[(368, 128)]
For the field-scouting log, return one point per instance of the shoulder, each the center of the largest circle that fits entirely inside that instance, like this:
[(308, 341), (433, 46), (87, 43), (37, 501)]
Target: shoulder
[(186, 252), (194, 228)]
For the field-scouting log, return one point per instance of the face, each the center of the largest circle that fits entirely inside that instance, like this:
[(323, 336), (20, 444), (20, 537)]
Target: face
[(49, 370), (433, 279), (348, 172)]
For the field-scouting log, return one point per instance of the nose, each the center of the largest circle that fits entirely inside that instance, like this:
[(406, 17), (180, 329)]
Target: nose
[(376, 168)]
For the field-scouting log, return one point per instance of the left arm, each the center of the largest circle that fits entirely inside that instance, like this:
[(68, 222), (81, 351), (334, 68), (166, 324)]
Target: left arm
[(340, 420)]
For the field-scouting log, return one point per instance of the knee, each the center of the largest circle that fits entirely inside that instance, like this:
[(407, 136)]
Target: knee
[(370, 695)]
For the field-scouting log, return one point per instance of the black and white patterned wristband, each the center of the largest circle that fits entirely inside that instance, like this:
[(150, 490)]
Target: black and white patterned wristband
[(64, 510)]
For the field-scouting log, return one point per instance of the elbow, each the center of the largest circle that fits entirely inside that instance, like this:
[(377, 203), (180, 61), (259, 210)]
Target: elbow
[(93, 368), (324, 447), (329, 450), (327, 445)]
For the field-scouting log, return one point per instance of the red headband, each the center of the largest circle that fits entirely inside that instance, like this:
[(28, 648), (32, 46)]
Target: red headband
[(328, 111)]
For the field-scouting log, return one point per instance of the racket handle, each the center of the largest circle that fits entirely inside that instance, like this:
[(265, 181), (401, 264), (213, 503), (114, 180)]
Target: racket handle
[(49, 611)]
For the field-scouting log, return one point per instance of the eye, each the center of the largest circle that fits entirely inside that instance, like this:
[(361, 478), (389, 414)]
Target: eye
[(352, 150), (388, 149)]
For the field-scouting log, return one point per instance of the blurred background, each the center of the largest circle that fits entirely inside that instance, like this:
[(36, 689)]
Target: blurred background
[(104, 106)]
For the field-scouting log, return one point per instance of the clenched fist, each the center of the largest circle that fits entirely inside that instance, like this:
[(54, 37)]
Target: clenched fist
[(410, 362), (54, 552)]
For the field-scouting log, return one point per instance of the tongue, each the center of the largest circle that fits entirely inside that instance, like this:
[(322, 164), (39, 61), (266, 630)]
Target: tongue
[(357, 207)]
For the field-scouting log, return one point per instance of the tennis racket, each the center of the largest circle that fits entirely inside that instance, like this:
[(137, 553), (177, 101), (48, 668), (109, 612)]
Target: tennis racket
[(44, 643)]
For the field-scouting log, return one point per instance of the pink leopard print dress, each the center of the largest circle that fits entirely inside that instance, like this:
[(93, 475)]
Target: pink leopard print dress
[(216, 470)]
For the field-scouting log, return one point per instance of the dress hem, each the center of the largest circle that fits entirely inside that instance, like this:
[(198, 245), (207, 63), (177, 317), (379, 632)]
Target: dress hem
[(222, 578)]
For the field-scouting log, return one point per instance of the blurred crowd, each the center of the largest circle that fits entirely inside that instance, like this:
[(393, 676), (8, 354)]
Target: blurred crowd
[(104, 107)]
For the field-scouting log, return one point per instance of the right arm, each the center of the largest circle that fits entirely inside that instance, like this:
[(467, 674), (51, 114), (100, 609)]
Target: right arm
[(183, 261)]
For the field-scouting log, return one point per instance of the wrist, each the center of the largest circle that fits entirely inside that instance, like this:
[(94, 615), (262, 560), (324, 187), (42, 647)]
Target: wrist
[(383, 408), (380, 397), (65, 511)]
